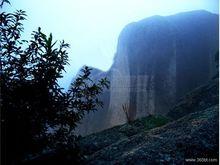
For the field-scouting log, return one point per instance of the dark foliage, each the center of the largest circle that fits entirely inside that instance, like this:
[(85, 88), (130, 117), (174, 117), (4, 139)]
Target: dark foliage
[(2, 2), (36, 114)]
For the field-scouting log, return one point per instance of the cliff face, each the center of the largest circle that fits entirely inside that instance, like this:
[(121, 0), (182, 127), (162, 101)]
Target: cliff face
[(158, 60)]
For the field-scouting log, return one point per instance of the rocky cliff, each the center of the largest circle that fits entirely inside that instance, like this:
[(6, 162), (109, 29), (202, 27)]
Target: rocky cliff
[(158, 60)]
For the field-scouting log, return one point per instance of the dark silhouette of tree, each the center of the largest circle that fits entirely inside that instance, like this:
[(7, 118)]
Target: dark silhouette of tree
[(36, 114), (3, 1)]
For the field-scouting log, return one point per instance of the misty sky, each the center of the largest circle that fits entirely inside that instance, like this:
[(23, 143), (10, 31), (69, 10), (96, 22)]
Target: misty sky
[(92, 27)]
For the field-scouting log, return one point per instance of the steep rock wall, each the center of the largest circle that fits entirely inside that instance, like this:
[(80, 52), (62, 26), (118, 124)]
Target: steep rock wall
[(158, 60)]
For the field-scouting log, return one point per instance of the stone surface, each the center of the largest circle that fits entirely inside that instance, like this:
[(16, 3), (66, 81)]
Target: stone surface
[(200, 98), (94, 142), (191, 135)]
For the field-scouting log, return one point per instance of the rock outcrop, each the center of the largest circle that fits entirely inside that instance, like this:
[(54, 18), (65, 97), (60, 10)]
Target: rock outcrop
[(183, 141), (200, 98), (190, 138), (158, 60)]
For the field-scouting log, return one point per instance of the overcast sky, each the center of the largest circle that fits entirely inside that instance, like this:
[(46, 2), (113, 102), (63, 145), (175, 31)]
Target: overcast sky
[(92, 27)]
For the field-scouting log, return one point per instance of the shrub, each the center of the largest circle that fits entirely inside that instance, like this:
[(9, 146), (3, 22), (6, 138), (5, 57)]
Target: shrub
[(128, 112), (36, 113)]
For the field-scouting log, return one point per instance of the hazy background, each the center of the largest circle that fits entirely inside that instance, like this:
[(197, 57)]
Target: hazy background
[(92, 27)]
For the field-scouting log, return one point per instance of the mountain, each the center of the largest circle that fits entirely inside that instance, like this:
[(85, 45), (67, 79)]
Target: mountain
[(158, 60)]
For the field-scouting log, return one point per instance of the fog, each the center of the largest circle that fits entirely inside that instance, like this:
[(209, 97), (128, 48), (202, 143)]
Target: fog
[(92, 27)]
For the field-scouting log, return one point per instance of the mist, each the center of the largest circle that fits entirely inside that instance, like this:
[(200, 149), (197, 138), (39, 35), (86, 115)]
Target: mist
[(92, 27)]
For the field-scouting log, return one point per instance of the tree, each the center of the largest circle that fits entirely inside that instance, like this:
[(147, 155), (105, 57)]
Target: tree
[(36, 113)]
